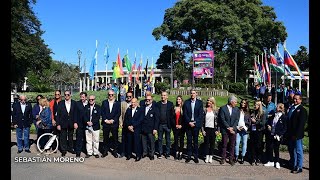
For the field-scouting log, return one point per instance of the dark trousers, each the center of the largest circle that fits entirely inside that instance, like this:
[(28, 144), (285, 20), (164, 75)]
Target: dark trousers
[(107, 143), (124, 140), (178, 138), (232, 140), (55, 131), (66, 140), (255, 145), (45, 139), (209, 140), (192, 141), (163, 129), (134, 140), (272, 145), (80, 135), (148, 138)]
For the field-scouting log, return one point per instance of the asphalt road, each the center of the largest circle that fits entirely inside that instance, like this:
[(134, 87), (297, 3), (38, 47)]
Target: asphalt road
[(112, 168)]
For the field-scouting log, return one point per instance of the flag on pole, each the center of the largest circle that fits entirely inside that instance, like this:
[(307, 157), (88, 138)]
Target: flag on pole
[(267, 68), (133, 67), (151, 73), (288, 60), (119, 63), (281, 63), (274, 64), (116, 71), (127, 62), (93, 62), (146, 71), (256, 69), (106, 54)]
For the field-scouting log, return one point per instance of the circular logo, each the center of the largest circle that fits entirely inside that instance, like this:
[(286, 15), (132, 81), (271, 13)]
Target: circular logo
[(48, 139)]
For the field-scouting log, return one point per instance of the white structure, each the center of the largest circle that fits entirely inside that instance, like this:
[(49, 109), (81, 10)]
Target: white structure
[(106, 77)]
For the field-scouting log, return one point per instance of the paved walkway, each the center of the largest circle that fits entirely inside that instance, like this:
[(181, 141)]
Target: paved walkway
[(120, 168)]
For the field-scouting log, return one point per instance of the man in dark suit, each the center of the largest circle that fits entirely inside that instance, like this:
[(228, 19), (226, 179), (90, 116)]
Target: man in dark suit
[(67, 115), (150, 125), (228, 118), (132, 122), (80, 133), (166, 118), (110, 112), (193, 119), (22, 120), (143, 102), (297, 117), (92, 115)]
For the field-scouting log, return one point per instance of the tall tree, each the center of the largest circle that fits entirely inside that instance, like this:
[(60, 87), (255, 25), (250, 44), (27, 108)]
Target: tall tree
[(28, 50), (302, 58), (242, 26)]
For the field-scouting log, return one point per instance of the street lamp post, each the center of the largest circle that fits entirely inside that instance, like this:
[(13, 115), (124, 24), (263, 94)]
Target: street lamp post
[(79, 56)]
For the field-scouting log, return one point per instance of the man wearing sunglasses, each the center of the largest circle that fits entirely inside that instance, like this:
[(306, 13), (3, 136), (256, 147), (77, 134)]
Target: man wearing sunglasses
[(67, 116), (124, 106), (110, 112)]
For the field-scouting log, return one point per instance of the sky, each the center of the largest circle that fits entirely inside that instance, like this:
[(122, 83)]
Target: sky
[(127, 25)]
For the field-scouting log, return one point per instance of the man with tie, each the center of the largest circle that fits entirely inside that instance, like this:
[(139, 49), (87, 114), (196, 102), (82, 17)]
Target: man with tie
[(80, 133), (228, 118), (22, 120), (110, 112), (150, 125), (132, 123), (193, 119), (92, 114), (67, 115), (297, 117)]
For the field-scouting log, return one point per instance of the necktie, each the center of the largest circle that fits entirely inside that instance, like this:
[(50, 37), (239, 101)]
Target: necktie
[(290, 111)]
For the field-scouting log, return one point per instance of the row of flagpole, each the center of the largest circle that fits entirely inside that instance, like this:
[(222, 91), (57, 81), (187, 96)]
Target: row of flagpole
[(278, 63), (118, 67)]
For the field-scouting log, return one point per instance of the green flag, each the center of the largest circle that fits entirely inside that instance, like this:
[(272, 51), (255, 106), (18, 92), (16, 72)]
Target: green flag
[(127, 63)]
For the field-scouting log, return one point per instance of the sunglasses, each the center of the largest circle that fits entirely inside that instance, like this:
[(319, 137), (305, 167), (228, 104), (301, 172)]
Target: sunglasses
[(67, 94), (129, 96), (148, 99), (110, 94), (91, 99)]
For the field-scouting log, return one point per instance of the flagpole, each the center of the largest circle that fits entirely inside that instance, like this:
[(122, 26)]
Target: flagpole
[(134, 79), (95, 67)]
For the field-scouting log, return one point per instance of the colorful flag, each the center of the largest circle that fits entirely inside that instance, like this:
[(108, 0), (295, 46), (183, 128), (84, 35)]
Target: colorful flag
[(151, 73), (127, 63), (288, 60), (268, 73), (281, 63), (93, 62), (119, 63), (116, 71), (274, 64), (256, 69), (133, 67), (146, 71), (106, 54)]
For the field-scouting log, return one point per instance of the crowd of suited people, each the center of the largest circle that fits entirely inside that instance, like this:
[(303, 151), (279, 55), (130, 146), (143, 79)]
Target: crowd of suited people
[(258, 130)]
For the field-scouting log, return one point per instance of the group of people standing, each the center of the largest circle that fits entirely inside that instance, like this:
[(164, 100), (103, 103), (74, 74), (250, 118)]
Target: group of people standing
[(140, 122)]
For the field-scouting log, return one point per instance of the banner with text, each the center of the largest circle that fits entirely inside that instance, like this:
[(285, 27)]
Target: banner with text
[(203, 64)]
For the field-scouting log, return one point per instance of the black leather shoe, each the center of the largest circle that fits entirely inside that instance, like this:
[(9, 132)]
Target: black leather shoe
[(138, 159), (180, 157), (241, 161), (151, 157), (96, 156), (143, 156), (115, 155), (63, 154), (159, 156), (19, 151), (196, 160), (77, 154), (188, 160), (167, 156), (104, 154), (121, 155), (88, 156), (222, 161), (128, 158), (28, 151)]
